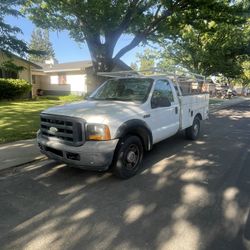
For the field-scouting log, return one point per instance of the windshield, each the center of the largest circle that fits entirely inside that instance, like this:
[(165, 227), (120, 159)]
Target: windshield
[(129, 89)]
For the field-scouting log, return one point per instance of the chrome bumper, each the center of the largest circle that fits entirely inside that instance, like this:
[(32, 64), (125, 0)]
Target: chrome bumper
[(94, 155)]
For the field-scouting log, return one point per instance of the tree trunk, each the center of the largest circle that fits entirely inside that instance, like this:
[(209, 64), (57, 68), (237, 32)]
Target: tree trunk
[(101, 55), (102, 60)]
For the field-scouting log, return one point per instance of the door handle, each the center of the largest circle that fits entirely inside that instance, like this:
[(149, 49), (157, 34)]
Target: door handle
[(146, 116)]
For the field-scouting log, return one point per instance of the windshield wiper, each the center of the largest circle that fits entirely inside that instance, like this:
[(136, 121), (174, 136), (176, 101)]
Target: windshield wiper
[(112, 99)]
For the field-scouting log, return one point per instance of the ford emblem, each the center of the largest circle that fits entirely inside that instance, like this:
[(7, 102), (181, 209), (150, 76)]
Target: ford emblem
[(53, 130)]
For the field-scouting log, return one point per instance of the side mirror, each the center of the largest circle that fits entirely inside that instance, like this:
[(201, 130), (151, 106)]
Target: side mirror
[(154, 102)]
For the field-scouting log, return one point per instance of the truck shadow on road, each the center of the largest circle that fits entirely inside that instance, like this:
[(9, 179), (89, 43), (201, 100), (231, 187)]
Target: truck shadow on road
[(188, 195)]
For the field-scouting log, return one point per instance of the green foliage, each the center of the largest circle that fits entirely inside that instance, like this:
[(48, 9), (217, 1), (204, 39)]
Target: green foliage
[(13, 88), (244, 78), (65, 98), (101, 23), (9, 65), (246, 73), (8, 33), (146, 60), (212, 49), (134, 66), (40, 41)]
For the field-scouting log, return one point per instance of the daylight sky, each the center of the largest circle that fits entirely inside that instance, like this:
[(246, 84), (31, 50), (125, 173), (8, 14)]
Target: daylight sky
[(66, 49)]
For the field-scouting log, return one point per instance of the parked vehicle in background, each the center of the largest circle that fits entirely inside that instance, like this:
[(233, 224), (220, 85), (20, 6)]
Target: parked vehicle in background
[(122, 120), (224, 92), (234, 92)]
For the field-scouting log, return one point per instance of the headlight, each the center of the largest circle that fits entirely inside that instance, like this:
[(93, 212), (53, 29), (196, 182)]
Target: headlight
[(97, 132)]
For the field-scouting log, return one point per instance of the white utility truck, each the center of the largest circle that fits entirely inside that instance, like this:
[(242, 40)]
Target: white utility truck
[(123, 119)]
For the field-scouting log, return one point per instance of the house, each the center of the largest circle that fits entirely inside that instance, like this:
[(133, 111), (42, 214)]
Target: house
[(27, 67), (67, 78), (53, 78), (61, 78)]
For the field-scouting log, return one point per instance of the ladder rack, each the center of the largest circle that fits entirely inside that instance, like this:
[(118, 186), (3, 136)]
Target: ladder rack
[(186, 82), (174, 72)]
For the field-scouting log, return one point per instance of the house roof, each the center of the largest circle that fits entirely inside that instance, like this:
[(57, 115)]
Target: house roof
[(20, 58), (61, 67), (77, 66)]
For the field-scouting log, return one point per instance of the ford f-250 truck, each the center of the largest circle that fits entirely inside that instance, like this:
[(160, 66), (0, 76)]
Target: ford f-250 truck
[(119, 122)]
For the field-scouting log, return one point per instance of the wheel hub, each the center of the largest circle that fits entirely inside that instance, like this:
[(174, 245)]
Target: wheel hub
[(195, 128), (131, 157)]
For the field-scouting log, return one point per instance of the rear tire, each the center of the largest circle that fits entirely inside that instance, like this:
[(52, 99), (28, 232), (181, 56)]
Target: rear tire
[(128, 157), (193, 132)]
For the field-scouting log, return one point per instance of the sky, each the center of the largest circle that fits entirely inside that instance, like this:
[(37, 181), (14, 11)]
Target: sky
[(66, 49)]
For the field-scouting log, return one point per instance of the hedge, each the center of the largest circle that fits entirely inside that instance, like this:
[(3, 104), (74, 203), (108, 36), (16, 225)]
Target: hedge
[(13, 88)]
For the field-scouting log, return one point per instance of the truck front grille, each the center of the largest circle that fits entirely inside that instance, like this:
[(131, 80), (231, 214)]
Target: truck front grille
[(66, 129)]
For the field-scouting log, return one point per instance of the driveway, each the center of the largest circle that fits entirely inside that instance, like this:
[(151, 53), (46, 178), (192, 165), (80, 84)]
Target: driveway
[(188, 195)]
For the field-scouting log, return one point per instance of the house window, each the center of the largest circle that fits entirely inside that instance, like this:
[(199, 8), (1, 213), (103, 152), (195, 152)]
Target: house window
[(11, 74), (62, 79), (58, 79), (54, 80), (33, 79), (8, 74)]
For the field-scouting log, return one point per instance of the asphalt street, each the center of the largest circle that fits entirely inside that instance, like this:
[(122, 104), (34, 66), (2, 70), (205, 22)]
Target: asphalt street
[(188, 195)]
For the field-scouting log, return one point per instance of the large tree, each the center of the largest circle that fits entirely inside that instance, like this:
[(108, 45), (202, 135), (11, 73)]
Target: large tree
[(147, 60), (211, 49), (101, 23), (8, 33), (40, 41)]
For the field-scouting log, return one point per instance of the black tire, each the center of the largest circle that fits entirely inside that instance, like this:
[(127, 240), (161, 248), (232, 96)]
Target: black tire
[(193, 132), (128, 157)]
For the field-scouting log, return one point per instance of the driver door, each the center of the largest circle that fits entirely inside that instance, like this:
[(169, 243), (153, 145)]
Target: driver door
[(164, 119)]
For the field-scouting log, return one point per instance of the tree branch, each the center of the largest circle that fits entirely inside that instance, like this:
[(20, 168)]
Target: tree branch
[(112, 37), (142, 35), (128, 18), (135, 42)]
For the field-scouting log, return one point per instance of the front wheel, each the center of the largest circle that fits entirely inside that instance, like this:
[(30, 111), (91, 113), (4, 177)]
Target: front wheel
[(128, 157), (193, 132)]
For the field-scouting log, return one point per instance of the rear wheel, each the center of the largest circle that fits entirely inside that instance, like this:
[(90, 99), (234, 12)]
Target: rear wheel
[(193, 132), (128, 157)]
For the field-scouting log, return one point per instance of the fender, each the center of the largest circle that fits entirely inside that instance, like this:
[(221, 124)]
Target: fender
[(139, 128)]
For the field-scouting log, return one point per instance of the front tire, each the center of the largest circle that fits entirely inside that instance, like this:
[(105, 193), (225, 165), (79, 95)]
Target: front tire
[(193, 132), (128, 157)]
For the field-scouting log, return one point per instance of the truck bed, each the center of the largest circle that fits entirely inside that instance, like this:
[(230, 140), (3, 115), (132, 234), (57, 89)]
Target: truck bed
[(190, 106)]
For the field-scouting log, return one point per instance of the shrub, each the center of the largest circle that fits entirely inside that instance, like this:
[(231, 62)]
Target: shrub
[(13, 88)]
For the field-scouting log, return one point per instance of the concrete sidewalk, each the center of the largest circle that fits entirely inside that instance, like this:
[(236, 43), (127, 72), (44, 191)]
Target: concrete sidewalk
[(17, 153)]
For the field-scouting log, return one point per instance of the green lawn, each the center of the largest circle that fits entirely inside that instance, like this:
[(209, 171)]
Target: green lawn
[(214, 101), (20, 119)]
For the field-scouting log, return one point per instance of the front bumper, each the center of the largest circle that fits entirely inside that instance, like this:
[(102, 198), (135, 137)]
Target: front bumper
[(94, 155)]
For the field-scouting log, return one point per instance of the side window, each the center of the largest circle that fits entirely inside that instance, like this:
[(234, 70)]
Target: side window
[(162, 95)]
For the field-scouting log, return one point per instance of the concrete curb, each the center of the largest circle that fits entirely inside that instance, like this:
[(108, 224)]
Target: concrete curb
[(18, 153), (38, 159)]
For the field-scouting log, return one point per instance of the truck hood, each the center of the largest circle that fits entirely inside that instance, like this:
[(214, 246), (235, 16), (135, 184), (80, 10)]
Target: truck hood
[(98, 111)]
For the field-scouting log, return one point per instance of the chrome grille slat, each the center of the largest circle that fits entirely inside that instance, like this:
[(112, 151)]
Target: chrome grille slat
[(57, 125), (68, 130), (58, 134)]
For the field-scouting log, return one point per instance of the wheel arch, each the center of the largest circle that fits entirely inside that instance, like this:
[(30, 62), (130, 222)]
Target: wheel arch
[(198, 115), (139, 128)]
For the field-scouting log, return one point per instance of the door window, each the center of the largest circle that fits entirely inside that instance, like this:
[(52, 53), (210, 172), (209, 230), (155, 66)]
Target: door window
[(162, 95)]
